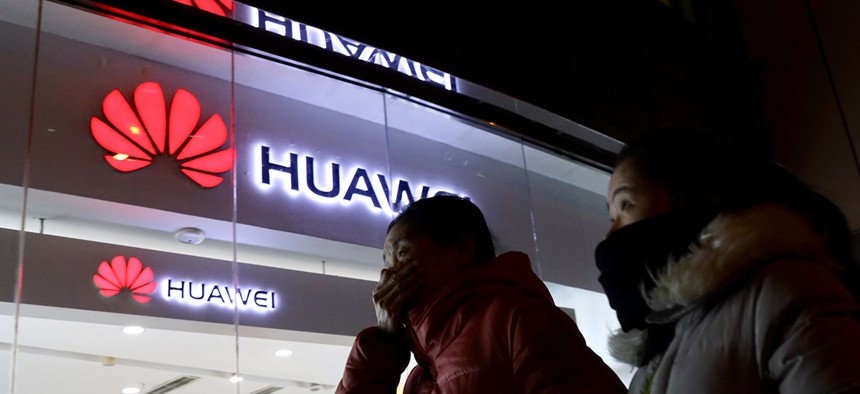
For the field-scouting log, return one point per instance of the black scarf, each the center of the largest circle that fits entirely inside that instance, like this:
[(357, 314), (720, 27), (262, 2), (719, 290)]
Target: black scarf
[(629, 259)]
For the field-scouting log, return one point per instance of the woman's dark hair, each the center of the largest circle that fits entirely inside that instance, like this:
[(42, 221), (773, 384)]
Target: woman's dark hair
[(448, 219), (697, 167), (702, 172)]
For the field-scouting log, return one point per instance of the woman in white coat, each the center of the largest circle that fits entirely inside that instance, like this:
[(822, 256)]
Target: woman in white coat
[(727, 274)]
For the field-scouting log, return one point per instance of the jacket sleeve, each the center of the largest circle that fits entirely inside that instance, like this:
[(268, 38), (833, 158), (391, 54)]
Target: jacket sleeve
[(808, 330), (375, 363), (550, 355)]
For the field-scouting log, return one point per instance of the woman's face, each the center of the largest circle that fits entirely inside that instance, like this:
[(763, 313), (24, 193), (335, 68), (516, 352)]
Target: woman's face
[(632, 197), (406, 243)]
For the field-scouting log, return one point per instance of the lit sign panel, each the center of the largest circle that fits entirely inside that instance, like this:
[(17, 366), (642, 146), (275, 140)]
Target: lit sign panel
[(329, 182), (135, 137), (129, 275), (282, 26), (94, 276), (274, 23)]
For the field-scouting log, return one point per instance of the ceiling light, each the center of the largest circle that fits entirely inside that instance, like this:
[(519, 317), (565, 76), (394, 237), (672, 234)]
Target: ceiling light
[(132, 330), (284, 353), (236, 378), (130, 390)]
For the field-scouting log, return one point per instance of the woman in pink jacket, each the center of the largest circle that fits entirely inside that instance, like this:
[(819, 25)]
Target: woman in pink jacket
[(475, 322)]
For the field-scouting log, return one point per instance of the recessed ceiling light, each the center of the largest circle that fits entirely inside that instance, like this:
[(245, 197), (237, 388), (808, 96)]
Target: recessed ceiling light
[(236, 378), (132, 330), (284, 353), (130, 390)]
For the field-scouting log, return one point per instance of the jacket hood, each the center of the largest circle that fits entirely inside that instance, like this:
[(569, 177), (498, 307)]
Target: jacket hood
[(451, 304), (506, 270), (730, 246)]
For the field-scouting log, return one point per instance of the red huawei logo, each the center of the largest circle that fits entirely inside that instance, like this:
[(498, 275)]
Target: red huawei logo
[(120, 275), (219, 7), (134, 140)]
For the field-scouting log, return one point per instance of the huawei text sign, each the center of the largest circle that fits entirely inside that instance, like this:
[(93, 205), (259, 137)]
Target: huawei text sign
[(330, 182), (221, 295), (298, 31)]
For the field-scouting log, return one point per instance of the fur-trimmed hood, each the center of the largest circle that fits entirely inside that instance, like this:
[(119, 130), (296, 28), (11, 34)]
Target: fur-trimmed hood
[(730, 246)]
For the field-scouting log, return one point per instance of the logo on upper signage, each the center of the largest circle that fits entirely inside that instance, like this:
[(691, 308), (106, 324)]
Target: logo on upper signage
[(135, 138), (331, 42), (121, 275), (219, 7)]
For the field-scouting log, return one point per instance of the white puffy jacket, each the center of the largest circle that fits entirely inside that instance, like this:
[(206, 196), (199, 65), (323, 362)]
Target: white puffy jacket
[(757, 307)]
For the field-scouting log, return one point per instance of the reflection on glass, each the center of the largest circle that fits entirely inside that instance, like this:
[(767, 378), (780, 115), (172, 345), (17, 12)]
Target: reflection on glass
[(128, 146), (18, 20), (135, 157)]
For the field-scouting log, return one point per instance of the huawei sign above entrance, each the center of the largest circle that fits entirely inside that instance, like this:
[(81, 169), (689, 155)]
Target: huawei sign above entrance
[(134, 138)]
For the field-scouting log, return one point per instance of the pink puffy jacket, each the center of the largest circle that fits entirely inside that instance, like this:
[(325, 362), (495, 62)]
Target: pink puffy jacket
[(496, 330)]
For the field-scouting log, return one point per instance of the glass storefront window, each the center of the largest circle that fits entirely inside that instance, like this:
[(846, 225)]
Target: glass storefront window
[(117, 115), (464, 158), (234, 207), (18, 21)]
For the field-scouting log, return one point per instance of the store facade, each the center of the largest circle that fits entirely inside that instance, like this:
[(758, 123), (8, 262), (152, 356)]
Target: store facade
[(233, 202)]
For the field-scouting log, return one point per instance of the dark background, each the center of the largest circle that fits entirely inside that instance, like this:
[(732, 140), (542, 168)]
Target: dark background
[(777, 78), (617, 66)]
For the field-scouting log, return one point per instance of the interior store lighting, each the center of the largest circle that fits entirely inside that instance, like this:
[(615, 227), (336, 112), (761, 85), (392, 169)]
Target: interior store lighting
[(133, 330)]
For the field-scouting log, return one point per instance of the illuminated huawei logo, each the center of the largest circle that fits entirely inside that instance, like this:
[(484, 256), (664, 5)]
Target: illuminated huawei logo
[(219, 7), (120, 275), (134, 138)]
